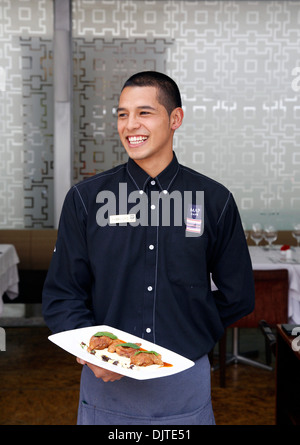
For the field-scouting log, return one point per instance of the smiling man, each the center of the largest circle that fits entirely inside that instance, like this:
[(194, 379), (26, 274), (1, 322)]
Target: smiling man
[(146, 128), (152, 279)]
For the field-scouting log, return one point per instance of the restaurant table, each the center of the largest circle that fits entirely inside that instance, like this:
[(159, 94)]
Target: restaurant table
[(265, 259), (9, 276)]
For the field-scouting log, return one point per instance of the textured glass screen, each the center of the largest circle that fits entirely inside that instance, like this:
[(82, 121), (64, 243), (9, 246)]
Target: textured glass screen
[(238, 67), (237, 64)]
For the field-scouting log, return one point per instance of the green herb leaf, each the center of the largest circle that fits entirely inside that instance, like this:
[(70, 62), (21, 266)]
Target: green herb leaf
[(129, 345), (146, 352), (106, 334)]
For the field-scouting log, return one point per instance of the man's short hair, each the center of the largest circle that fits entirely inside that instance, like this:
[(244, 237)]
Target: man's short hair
[(168, 93)]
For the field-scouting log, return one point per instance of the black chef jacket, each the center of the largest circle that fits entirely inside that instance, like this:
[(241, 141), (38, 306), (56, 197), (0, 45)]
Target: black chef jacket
[(151, 278)]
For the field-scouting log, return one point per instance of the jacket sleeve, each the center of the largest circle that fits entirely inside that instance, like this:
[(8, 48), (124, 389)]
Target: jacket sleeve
[(67, 290), (232, 268)]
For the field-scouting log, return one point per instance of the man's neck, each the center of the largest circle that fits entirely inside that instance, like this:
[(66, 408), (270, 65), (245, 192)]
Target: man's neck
[(153, 167)]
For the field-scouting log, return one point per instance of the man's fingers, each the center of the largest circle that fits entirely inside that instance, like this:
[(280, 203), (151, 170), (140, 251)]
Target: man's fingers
[(100, 373)]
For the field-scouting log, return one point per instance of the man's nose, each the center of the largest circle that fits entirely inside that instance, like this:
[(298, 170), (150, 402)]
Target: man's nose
[(132, 122)]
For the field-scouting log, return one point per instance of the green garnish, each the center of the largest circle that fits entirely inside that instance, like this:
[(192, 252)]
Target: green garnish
[(106, 334), (146, 352), (129, 345)]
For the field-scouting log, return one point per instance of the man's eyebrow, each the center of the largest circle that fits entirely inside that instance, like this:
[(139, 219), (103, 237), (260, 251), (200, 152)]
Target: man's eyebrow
[(141, 107)]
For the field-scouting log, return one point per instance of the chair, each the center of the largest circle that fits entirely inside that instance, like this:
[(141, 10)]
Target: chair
[(271, 304), (270, 339)]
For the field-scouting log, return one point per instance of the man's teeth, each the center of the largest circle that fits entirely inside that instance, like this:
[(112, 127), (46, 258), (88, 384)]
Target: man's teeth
[(136, 139)]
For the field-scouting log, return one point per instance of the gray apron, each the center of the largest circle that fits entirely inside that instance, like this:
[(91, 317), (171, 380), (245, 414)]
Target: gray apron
[(180, 399)]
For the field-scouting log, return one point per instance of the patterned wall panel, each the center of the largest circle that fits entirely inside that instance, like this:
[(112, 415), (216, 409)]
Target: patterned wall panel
[(26, 95), (100, 69), (237, 64), (37, 79), (11, 131), (233, 61)]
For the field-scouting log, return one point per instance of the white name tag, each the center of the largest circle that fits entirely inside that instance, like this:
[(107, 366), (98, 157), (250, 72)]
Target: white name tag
[(118, 219)]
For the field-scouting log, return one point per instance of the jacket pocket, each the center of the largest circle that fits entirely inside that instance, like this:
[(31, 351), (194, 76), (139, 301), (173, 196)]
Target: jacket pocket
[(186, 260)]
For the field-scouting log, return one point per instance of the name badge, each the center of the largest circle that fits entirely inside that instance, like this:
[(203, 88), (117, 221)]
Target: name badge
[(119, 219), (194, 220)]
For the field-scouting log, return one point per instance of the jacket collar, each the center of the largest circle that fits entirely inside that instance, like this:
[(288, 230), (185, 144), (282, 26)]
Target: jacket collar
[(164, 179)]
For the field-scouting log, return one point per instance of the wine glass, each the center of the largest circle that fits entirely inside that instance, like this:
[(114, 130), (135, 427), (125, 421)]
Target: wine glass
[(270, 235), (256, 233), (296, 233)]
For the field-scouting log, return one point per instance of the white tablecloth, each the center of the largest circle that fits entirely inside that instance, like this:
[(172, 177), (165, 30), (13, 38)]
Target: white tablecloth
[(263, 259), (9, 276)]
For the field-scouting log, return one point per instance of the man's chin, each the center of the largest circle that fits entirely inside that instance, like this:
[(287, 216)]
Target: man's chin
[(135, 155)]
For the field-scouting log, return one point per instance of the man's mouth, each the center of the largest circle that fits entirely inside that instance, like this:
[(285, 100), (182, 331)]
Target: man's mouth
[(136, 140)]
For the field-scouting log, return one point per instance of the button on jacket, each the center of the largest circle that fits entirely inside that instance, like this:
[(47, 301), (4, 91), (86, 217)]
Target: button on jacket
[(118, 263)]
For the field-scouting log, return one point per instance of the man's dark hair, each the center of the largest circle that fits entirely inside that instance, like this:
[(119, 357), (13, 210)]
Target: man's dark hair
[(168, 93)]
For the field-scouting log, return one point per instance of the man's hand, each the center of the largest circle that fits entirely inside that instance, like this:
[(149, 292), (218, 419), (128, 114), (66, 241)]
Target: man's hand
[(101, 373)]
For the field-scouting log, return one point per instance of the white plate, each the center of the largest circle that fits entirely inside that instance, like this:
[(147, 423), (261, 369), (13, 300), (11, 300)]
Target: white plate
[(70, 342)]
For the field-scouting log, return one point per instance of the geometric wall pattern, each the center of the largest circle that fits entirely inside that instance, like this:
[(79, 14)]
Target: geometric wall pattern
[(26, 104), (37, 82), (237, 64), (100, 69)]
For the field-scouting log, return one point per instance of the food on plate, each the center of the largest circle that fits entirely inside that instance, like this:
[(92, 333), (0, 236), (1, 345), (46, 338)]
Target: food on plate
[(125, 349), (102, 340), (146, 358), (109, 348), (99, 343)]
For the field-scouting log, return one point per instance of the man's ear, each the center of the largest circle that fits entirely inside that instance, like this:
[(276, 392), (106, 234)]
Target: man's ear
[(176, 118)]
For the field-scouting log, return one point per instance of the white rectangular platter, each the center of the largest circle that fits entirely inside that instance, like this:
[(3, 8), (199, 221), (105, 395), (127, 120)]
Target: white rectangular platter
[(71, 341)]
